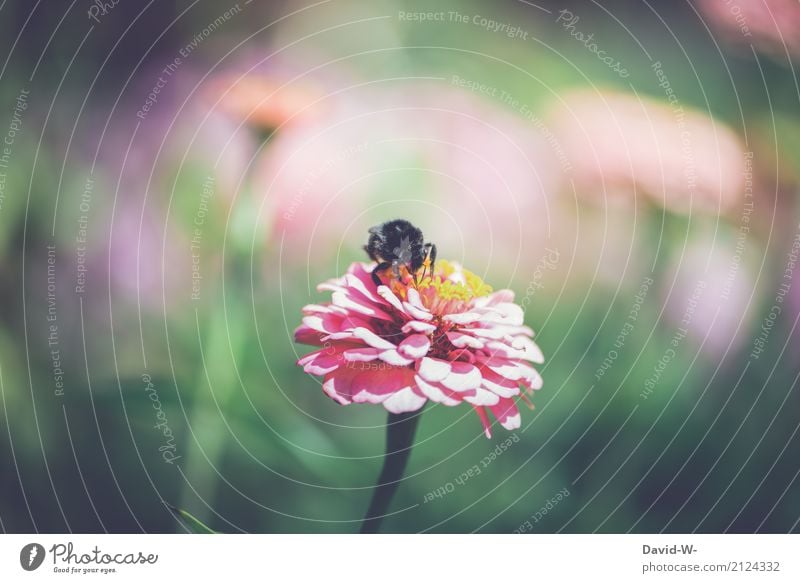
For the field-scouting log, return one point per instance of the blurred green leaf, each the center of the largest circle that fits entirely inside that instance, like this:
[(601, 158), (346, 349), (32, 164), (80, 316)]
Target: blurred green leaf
[(190, 521)]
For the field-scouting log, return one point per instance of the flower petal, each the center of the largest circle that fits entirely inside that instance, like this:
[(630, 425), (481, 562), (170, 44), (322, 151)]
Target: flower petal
[(415, 312), (417, 326), (499, 331), (436, 393), (375, 386), (337, 283), (390, 297), (482, 397), (306, 335), (507, 413), (362, 354), (529, 348), (373, 339), (503, 367), (503, 350), (414, 299), (507, 313), (326, 323), (404, 401), (501, 296), (498, 384), (323, 309), (487, 426), (363, 271), (432, 369), (354, 283), (344, 300), (529, 376), (394, 358), (463, 377), (461, 340), (337, 385), (321, 362), (415, 346), (461, 354), (492, 333), (462, 318)]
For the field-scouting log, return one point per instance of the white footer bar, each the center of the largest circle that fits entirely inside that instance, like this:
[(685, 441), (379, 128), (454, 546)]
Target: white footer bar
[(401, 558)]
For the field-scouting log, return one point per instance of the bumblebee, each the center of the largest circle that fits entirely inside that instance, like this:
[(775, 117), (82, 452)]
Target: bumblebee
[(396, 244)]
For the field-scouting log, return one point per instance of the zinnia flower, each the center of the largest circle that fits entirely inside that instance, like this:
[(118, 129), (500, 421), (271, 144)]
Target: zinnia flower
[(447, 339)]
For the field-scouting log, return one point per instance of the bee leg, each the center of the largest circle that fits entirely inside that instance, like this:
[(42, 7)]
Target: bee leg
[(430, 259), (380, 267)]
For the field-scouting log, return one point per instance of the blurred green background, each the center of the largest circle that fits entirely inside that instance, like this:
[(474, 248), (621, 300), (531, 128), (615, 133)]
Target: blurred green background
[(178, 176)]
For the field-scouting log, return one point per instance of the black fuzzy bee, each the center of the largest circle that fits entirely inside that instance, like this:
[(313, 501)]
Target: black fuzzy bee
[(399, 243)]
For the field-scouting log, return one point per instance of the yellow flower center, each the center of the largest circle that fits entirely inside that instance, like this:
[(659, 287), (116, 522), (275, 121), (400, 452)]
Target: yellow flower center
[(452, 283)]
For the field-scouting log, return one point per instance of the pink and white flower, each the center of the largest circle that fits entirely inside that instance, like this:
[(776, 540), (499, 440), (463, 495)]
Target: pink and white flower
[(447, 338)]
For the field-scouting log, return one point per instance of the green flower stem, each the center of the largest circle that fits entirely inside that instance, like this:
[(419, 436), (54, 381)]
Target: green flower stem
[(400, 430)]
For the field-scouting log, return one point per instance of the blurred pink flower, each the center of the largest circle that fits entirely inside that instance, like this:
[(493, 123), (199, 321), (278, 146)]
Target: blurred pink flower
[(149, 262), (710, 289), (621, 144), (772, 26), (185, 138), (447, 339), (440, 155), (174, 176)]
